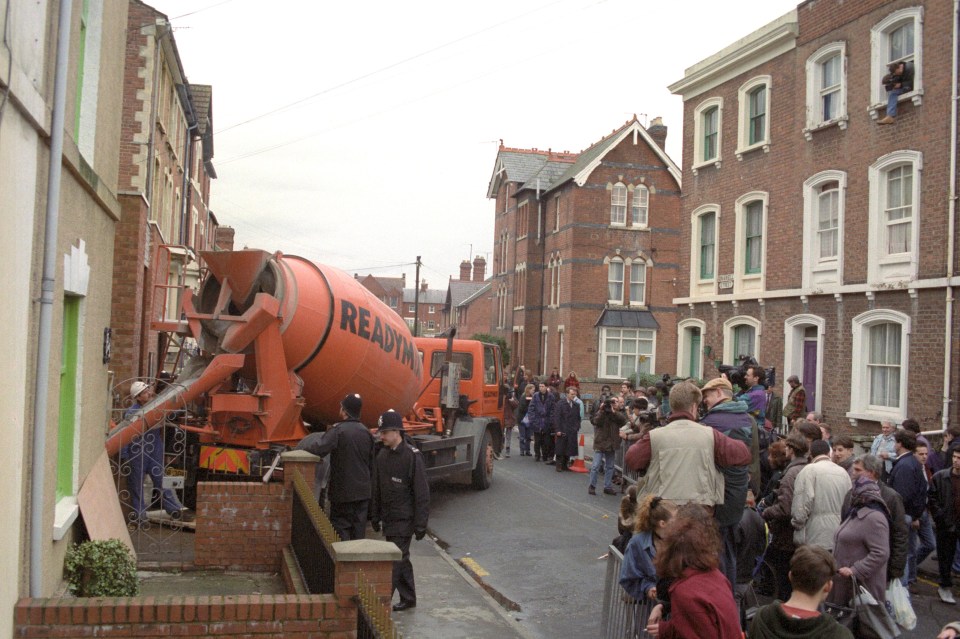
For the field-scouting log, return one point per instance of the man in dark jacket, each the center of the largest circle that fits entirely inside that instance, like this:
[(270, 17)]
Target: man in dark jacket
[(731, 417), (872, 467), (779, 515), (350, 446), (540, 413), (606, 439), (401, 501), (566, 419), (909, 479), (944, 487)]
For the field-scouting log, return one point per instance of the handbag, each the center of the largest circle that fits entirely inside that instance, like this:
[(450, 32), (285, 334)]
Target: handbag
[(843, 615), (899, 600), (873, 621)]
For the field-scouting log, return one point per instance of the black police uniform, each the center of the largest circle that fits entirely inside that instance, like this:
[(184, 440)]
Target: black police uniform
[(350, 446), (401, 502)]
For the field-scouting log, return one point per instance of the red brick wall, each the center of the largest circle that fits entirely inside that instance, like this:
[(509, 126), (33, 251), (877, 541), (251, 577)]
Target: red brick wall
[(129, 249), (242, 525)]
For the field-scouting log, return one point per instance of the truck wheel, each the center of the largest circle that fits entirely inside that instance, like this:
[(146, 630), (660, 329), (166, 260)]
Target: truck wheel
[(483, 473)]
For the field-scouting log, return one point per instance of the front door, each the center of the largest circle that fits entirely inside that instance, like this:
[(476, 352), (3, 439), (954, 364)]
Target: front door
[(810, 372)]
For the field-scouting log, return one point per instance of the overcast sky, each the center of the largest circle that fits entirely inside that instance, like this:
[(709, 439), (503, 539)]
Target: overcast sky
[(363, 134)]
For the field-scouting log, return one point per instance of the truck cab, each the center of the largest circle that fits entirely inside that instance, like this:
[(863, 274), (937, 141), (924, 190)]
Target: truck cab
[(481, 374)]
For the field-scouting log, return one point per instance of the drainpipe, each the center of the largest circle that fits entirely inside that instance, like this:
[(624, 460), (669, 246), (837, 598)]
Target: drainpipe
[(187, 170), (951, 226), (47, 289), (543, 257)]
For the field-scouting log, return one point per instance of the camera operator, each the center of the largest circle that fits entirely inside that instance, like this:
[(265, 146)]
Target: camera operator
[(606, 427)]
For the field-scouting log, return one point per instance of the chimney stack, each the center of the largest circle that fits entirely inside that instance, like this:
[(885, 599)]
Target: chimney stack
[(223, 238), (465, 271), (423, 286), (479, 268), (658, 131)]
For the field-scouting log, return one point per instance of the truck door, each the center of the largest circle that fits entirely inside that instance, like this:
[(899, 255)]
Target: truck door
[(492, 374)]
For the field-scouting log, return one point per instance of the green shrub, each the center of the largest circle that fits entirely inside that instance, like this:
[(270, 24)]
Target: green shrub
[(103, 568)]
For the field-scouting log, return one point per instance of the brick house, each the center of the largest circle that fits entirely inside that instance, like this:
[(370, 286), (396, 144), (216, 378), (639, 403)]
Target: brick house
[(430, 313), (388, 290), (586, 255), (463, 290), (817, 240), (166, 167)]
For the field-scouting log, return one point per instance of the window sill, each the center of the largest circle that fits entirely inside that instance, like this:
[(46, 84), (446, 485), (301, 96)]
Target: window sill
[(875, 109), (765, 145), (899, 258), (840, 122), (875, 415), (65, 514), (714, 163)]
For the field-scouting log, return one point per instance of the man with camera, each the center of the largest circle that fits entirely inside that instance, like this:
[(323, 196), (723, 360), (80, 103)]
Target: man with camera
[(756, 393), (606, 438)]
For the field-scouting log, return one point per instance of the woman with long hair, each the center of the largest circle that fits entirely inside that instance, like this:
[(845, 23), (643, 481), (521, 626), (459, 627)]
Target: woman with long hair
[(637, 573), (701, 598), (523, 422)]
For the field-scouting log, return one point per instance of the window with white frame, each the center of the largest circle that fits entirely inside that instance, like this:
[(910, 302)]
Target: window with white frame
[(823, 208), (624, 351), (703, 254), (894, 216), (826, 88), (750, 249), (741, 336), (411, 308), (641, 206), (615, 281), (556, 219), (520, 285), (553, 272), (432, 309), (879, 367), (897, 38), (754, 124), (618, 204), (638, 282), (523, 220), (708, 123)]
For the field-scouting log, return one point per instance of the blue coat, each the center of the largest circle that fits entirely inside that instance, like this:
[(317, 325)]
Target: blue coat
[(732, 419), (908, 479), (540, 412), (637, 572)]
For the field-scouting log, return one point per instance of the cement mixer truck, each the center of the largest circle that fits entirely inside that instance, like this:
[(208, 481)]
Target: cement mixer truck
[(282, 340)]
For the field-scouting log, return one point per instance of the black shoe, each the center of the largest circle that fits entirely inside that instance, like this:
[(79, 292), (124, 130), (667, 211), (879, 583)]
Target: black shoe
[(560, 468), (591, 490), (609, 491), (404, 605), (537, 459), (550, 461)]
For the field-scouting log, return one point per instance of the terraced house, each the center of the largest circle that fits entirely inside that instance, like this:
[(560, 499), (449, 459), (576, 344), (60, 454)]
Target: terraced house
[(820, 240)]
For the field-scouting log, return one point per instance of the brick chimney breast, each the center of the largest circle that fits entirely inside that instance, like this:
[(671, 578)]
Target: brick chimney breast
[(465, 271), (423, 286), (479, 268), (658, 131)]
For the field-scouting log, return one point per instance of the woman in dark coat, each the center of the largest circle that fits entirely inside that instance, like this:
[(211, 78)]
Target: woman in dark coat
[(523, 421), (862, 544), (566, 416)]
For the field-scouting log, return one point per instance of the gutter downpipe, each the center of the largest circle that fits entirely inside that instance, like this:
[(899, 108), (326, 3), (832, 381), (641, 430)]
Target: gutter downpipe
[(542, 241), (951, 224), (47, 288)]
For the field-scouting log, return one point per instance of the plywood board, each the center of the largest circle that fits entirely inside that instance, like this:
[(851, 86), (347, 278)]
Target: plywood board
[(100, 505)]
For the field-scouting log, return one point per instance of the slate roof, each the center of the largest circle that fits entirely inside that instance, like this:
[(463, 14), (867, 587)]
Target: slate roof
[(627, 318), (479, 293), (429, 296), (459, 290)]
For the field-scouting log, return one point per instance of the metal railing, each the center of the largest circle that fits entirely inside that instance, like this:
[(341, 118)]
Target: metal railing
[(311, 537), (623, 616), (629, 478), (373, 617)]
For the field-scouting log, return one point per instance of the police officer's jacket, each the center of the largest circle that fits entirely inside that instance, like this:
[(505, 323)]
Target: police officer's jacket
[(401, 493), (350, 446)]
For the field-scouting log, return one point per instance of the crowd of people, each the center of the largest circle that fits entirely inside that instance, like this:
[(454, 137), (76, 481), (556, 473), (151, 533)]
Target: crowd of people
[(720, 496)]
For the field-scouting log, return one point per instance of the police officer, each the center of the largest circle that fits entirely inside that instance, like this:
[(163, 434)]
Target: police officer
[(350, 446), (401, 500)]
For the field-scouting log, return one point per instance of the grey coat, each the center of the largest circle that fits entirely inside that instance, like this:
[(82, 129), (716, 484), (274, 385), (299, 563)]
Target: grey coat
[(862, 544)]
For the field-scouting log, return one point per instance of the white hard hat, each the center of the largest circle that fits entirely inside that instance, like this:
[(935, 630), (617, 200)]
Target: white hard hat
[(136, 388)]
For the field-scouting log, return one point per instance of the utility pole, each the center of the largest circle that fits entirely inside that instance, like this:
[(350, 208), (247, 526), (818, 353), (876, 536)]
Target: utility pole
[(416, 301)]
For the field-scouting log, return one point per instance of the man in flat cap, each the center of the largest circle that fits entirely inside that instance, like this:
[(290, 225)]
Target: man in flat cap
[(350, 446)]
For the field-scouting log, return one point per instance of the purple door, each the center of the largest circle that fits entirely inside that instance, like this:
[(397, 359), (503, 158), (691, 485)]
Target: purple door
[(810, 372)]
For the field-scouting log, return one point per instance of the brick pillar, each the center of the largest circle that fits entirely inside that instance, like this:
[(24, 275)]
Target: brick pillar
[(372, 557), (301, 460)]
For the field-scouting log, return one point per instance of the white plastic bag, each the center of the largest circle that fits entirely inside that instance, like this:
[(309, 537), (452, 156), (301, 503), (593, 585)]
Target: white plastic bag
[(899, 600)]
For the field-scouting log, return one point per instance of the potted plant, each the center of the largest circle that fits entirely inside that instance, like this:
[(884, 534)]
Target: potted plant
[(101, 568)]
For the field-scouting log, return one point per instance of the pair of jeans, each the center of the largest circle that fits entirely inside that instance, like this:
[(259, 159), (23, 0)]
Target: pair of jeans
[(523, 433), (605, 459), (145, 457), (892, 97), (921, 543), (507, 436)]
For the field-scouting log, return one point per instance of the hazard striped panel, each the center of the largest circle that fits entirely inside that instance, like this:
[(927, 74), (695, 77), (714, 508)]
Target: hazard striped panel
[(225, 460)]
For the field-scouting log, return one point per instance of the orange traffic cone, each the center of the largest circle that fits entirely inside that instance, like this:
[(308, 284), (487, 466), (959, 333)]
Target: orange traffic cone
[(578, 466)]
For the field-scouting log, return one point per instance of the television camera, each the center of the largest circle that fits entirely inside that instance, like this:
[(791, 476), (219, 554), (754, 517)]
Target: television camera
[(736, 372)]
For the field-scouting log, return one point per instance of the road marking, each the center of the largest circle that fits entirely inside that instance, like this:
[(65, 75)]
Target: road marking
[(474, 567)]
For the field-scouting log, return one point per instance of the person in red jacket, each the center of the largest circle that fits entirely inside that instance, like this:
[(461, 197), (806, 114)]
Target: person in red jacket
[(701, 601)]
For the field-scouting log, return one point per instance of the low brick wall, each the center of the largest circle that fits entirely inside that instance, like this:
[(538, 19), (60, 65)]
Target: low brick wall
[(242, 525)]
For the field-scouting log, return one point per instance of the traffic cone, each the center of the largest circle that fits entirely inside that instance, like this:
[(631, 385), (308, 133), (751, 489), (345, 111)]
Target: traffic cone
[(578, 466)]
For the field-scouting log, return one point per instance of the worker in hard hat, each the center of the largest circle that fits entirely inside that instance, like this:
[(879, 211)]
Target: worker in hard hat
[(144, 456)]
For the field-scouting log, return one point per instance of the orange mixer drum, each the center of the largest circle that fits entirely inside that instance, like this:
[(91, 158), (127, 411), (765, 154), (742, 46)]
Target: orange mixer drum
[(337, 336)]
